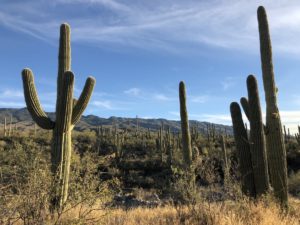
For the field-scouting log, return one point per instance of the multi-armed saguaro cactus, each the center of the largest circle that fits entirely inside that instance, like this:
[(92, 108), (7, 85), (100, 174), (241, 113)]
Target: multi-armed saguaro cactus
[(186, 137), (68, 113), (243, 150), (275, 144), (257, 138)]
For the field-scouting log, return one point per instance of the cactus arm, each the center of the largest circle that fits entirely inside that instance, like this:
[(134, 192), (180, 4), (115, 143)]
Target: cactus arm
[(32, 101), (245, 104), (83, 100), (257, 139)]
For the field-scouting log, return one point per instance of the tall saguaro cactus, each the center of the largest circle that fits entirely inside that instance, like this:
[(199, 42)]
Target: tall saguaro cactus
[(68, 113), (257, 138), (186, 137), (274, 138)]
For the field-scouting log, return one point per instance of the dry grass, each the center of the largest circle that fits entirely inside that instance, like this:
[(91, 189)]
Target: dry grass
[(223, 213)]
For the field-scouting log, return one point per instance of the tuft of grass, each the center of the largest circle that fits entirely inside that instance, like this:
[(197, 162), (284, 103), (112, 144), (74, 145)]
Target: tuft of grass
[(223, 213), (294, 184)]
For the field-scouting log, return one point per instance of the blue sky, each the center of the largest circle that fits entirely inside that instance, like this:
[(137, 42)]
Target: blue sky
[(139, 51)]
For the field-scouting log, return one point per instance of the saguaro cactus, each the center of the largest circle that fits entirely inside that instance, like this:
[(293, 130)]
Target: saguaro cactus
[(275, 144), (257, 139), (243, 150), (224, 150), (4, 127), (68, 113), (186, 137)]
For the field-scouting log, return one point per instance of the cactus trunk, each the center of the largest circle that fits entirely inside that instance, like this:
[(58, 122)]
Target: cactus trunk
[(257, 139), (186, 137), (61, 159), (275, 142), (243, 150)]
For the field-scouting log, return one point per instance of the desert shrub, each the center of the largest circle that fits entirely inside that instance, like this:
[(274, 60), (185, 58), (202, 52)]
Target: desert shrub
[(294, 184), (26, 185)]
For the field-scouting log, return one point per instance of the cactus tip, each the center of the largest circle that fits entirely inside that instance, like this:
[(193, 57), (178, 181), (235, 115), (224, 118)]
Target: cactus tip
[(261, 10), (26, 72), (91, 78), (64, 27)]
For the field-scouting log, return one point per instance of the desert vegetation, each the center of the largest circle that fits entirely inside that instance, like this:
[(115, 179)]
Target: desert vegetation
[(129, 173)]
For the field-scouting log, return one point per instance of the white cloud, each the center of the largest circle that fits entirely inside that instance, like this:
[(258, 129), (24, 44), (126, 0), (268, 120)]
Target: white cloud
[(10, 93), (291, 119), (103, 104), (106, 3), (213, 118), (165, 25), (174, 113), (133, 91), (162, 97), (13, 104), (227, 83), (200, 98)]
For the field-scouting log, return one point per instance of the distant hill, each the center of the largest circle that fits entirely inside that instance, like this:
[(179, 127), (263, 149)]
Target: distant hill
[(23, 118)]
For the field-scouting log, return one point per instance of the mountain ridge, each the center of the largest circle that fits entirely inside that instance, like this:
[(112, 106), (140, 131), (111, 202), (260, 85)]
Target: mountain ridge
[(21, 115)]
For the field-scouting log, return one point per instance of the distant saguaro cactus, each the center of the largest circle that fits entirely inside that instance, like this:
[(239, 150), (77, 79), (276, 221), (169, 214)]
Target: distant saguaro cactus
[(4, 127), (224, 150), (275, 143), (186, 137), (68, 113), (243, 150)]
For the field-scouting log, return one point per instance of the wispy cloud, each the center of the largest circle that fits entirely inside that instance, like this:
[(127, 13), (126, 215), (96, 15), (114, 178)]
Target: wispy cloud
[(159, 24), (213, 118), (133, 91), (295, 99), (109, 105), (10, 93), (103, 104), (200, 98), (291, 119), (227, 83), (13, 104), (163, 97), (105, 3)]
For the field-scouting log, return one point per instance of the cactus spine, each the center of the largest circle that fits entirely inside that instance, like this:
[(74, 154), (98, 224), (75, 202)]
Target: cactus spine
[(68, 113), (243, 150), (274, 138), (186, 138)]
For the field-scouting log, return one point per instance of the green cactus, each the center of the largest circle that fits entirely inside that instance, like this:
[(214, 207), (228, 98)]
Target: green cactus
[(275, 144), (257, 139), (243, 150), (161, 149), (5, 128), (10, 127), (68, 113), (285, 135), (224, 150), (245, 105), (186, 137)]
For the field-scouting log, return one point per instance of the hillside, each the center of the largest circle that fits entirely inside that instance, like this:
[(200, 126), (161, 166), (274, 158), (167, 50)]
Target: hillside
[(23, 120)]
